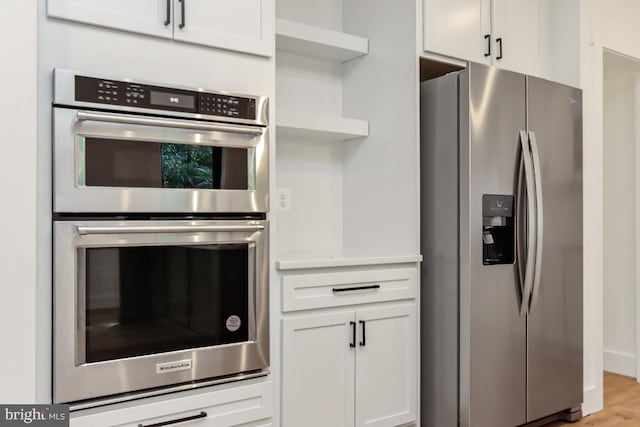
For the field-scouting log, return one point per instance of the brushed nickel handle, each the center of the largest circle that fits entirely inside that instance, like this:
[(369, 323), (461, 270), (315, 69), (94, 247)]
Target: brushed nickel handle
[(537, 172), (527, 281), (82, 230), (181, 124)]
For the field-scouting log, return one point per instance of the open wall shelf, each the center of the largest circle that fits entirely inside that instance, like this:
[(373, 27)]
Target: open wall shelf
[(308, 40), (303, 126)]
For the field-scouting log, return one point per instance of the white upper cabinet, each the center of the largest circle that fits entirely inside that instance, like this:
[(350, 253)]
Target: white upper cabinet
[(457, 28), (152, 17), (516, 35), (505, 33), (242, 25), (239, 25)]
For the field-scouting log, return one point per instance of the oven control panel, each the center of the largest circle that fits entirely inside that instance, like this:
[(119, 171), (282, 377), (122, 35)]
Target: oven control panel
[(130, 94)]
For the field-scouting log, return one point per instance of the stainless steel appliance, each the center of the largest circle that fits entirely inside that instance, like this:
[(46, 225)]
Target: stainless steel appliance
[(124, 146), (502, 243), (145, 304), (160, 239)]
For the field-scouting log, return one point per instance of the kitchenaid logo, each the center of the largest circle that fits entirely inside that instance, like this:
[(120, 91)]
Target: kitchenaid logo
[(38, 415), (179, 365)]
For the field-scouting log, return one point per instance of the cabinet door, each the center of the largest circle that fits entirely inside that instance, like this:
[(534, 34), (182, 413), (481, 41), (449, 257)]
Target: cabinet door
[(386, 366), (318, 370), (152, 17), (457, 28), (241, 25), (516, 31)]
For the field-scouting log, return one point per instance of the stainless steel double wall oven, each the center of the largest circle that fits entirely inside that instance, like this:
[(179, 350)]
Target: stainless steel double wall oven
[(160, 237)]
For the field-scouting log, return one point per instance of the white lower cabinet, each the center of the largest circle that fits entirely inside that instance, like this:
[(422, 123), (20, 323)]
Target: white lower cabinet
[(246, 404), (352, 367), (318, 370), (386, 372)]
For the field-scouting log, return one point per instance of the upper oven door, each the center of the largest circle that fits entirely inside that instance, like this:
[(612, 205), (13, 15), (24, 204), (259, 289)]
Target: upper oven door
[(118, 163)]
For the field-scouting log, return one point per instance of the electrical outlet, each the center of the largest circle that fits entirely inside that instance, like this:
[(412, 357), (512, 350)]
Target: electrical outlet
[(284, 200)]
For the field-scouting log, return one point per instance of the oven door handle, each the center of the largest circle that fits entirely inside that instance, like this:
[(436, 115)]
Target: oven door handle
[(83, 116), (82, 230)]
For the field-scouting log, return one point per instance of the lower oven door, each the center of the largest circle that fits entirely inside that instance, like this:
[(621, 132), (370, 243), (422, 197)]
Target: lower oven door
[(146, 304)]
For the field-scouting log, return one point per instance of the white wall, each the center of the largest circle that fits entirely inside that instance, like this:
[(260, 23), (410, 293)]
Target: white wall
[(619, 216), (608, 24), (18, 166), (310, 169)]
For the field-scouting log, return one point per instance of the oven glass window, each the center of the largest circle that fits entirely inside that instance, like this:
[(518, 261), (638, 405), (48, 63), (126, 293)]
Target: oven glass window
[(154, 299), (120, 163)]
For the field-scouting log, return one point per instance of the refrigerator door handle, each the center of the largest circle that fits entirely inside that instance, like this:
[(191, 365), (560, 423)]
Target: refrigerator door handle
[(539, 221), (526, 282)]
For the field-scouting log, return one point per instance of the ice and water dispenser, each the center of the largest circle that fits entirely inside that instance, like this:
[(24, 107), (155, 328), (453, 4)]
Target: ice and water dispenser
[(498, 232)]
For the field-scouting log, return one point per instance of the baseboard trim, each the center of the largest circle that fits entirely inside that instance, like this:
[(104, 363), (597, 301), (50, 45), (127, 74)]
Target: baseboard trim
[(620, 363)]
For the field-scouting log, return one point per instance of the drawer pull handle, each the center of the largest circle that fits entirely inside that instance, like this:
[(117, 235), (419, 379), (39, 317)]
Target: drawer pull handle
[(167, 21), (356, 288), (202, 414), (182, 13), (352, 344), (499, 42), (363, 343), (487, 38)]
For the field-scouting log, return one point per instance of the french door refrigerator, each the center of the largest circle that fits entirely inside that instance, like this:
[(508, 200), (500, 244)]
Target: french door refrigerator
[(501, 225)]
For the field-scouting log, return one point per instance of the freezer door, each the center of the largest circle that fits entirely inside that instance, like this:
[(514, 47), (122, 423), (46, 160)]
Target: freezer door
[(554, 337), (492, 331)]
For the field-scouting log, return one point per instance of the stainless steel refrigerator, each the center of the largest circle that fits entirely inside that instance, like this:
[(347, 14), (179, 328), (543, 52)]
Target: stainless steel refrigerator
[(501, 236)]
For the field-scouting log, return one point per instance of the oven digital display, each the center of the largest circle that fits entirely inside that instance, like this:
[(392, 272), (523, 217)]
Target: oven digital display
[(167, 99), (136, 95)]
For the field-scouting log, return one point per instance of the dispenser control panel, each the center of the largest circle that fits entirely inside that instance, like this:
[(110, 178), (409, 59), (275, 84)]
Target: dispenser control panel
[(495, 205), (498, 229)]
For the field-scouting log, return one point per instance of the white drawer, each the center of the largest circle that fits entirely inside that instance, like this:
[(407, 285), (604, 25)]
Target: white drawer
[(231, 405), (335, 289)]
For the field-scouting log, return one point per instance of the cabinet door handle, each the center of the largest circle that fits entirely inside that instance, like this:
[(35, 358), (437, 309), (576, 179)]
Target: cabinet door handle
[(499, 42), (355, 288), (487, 37), (363, 343), (176, 421), (352, 344), (183, 22), (167, 20)]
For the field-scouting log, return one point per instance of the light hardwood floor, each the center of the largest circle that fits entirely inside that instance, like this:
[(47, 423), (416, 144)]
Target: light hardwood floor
[(621, 405)]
